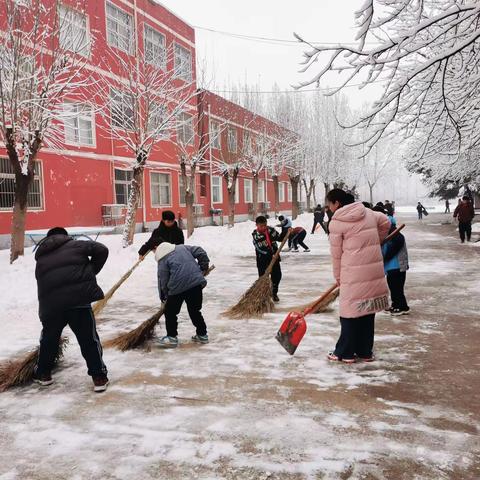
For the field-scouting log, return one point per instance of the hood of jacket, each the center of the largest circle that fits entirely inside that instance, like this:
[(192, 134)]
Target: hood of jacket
[(49, 244), (350, 213), (163, 250)]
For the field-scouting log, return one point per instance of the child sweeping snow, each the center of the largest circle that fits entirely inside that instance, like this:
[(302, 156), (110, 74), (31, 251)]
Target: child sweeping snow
[(181, 270), (298, 236)]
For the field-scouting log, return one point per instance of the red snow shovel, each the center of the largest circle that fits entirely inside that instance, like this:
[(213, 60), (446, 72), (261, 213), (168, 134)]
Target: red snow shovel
[(294, 326)]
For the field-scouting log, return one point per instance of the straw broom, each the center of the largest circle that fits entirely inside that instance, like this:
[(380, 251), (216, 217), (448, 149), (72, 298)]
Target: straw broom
[(14, 373), (257, 300), (137, 337), (100, 305)]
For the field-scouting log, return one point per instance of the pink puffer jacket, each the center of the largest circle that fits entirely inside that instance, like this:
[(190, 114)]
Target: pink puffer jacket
[(355, 236)]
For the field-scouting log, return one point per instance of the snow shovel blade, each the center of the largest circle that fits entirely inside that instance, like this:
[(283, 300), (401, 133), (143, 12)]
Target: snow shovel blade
[(291, 332)]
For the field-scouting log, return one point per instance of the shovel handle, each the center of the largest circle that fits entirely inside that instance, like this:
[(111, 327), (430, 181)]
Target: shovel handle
[(277, 254), (394, 233), (313, 307)]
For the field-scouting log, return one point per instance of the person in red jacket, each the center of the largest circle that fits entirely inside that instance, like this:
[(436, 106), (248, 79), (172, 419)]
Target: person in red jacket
[(298, 236), (465, 213)]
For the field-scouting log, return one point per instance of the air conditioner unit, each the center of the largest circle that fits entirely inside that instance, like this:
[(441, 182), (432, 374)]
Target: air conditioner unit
[(198, 210)]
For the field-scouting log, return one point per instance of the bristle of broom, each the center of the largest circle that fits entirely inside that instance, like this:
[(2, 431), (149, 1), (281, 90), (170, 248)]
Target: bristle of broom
[(136, 338), (256, 301), (14, 373)]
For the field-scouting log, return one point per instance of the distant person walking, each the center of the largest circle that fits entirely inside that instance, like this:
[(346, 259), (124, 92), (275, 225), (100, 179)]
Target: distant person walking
[(421, 211), (447, 206), (465, 213), (318, 216)]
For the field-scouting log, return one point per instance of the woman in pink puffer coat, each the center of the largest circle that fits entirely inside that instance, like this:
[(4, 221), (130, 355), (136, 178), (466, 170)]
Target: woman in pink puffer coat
[(356, 234)]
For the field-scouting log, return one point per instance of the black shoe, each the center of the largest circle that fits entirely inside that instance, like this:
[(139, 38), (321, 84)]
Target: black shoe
[(100, 383), (275, 298), (43, 380)]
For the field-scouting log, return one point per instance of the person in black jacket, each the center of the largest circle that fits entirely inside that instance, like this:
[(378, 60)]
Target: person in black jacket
[(66, 278), (265, 240), (318, 216), (168, 231)]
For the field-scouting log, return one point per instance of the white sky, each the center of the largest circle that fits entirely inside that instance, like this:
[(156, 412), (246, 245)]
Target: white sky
[(229, 60)]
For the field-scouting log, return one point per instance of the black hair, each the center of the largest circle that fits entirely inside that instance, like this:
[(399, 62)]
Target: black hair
[(168, 215), (367, 205), (466, 197), (281, 218), (378, 208), (261, 219), (340, 196), (57, 231)]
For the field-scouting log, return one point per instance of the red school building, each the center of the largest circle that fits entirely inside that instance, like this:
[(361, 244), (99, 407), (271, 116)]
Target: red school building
[(85, 181)]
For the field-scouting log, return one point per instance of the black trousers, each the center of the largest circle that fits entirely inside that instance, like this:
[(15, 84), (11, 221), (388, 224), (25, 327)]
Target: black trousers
[(356, 337), (82, 323), (465, 228), (194, 299), (298, 240), (315, 223), (276, 274), (396, 284)]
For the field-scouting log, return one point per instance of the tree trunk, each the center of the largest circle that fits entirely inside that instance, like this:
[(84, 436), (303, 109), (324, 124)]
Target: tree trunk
[(326, 186), (133, 199), (231, 179), (189, 187), (22, 182), (315, 195), (294, 181), (276, 190), (255, 196), (370, 187), (309, 189)]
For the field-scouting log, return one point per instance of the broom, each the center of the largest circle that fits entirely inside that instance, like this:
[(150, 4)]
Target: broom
[(100, 305), (257, 300), (138, 336), (14, 373)]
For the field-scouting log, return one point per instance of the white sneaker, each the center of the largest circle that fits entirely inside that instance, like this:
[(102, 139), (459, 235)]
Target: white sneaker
[(168, 342), (306, 250)]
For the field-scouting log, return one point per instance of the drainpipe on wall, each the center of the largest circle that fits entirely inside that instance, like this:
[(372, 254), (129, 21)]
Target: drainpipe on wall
[(210, 158)]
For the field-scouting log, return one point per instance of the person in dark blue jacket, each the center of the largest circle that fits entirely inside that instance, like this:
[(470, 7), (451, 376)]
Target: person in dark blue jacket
[(181, 278), (395, 259)]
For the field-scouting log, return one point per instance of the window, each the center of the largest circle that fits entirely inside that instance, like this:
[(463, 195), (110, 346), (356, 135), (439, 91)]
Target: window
[(237, 191), (247, 143), (247, 190), (7, 186), (73, 31), (182, 190), (155, 48), (78, 124), (183, 63), (119, 28), (217, 192), (215, 134), (160, 189), (123, 185), (281, 192), (185, 133), (203, 184), (121, 109), (157, 120), (232, 140), (261, 191), (289, 192)]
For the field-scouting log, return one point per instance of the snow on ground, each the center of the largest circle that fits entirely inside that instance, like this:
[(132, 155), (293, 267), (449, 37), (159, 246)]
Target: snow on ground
[(238, 408)]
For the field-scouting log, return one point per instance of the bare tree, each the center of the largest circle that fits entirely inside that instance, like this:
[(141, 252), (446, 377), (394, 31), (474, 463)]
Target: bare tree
[(41, 64)]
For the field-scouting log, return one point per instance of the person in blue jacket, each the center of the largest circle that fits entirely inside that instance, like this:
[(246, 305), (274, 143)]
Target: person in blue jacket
[(181, 278), (395, 259)]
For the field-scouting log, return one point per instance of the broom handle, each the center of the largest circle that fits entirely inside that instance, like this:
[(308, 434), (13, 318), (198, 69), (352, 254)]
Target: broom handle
[(312, 307), (277, 253)]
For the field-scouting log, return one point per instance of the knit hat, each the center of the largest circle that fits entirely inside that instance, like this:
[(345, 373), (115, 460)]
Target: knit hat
[(168, 215), (163, 250)]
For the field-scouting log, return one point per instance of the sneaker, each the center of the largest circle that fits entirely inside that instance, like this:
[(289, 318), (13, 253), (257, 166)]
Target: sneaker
[(396, 312), (388, 310), (275, 298), (200, 339), (168, 342), (100, 383), (333, 358), (366, 359), (306, 250), (295, 250), (43, 380)]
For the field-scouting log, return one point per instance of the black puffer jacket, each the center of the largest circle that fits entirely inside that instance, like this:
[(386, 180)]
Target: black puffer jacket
[(66, 271), (162, 233)]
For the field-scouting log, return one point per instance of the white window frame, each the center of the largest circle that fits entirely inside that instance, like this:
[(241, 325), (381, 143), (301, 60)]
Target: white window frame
[(182, 57), (185, 129), (261, 191), (237, 191), (232, 139), (157, 45), (281, 192), (216, 135), (71, 19), (129, 38), (78, 116), (248, 190), (289, 192), (126, 122), (127, 183), (169, 175), (180, 185), (219, 186), (38, 177)]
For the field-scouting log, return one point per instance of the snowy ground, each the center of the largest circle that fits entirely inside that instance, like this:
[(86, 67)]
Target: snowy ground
[(240, 407)]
